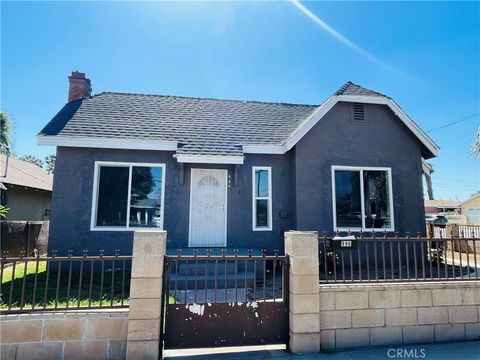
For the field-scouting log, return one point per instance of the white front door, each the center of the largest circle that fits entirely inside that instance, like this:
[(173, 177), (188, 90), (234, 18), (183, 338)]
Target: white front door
[(208, 208)]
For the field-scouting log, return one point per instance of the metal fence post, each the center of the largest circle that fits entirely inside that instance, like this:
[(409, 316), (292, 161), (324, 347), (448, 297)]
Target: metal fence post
[(144, 318)]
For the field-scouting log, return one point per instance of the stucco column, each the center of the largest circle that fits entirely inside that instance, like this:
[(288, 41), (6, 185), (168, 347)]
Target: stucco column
[(451, 231), (304, 305), (143, 338)]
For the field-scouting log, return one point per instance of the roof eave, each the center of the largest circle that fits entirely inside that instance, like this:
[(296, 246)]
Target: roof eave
[(107, 143), (209, 159), (24, 185)]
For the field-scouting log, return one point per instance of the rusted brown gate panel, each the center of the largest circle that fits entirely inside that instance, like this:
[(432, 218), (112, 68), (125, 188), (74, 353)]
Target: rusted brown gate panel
[(225, 300), (215, 325)]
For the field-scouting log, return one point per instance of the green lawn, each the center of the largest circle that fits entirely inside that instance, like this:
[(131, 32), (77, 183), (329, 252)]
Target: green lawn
[(99, 294)]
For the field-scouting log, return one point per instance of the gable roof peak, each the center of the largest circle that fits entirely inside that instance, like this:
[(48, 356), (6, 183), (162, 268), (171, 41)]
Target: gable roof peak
[(349, 88)]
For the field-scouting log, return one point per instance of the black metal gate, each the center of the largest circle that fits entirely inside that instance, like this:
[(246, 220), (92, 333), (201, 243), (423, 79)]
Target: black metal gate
[(216, 299)]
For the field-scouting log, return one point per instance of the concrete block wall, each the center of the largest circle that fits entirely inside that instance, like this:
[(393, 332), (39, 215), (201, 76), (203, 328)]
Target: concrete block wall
[(361, 315), (109, 334), (393, 314), (64, 335)]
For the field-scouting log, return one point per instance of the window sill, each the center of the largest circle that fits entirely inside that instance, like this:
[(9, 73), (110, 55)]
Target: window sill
[(124, 229), (262, 229), (368, 230)]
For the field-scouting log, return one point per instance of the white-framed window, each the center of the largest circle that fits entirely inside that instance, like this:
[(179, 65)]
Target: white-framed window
[(127, 196), (362, 198), (262, 198)]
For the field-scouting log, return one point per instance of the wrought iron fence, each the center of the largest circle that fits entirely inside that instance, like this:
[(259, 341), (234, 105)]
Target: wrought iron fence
[(398, 259), (214, 276), (69, 282)]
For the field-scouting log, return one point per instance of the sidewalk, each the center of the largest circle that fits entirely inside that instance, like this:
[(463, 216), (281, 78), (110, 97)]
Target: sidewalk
[(451, 351)]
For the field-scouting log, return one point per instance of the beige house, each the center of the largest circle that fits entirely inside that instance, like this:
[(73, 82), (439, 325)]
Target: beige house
[(26, 190), (471, 210)]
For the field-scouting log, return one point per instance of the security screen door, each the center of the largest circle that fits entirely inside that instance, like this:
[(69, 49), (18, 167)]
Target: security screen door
[(208, 208)]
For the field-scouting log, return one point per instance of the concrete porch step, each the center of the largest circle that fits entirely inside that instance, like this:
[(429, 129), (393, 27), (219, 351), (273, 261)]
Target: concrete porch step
[(209, 281), (202, 268)]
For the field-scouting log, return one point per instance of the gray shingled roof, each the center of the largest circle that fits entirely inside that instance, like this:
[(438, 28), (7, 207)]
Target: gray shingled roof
[(200, 126), (350, 88)]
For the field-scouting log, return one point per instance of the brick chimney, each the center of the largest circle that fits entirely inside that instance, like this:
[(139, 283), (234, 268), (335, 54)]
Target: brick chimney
[(80, 86)]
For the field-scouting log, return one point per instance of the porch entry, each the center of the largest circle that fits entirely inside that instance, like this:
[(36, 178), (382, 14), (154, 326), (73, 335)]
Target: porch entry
[(208, 208)]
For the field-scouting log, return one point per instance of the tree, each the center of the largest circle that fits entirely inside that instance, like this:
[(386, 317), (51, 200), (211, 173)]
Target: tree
[(142, 182), (5, 133), (476, 145), (3, 211), (32, 159), (50, 163), (475, 193)]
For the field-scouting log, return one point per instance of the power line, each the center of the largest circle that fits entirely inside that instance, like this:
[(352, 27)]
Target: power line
[(453, 180), (453, 123), (460, 183)]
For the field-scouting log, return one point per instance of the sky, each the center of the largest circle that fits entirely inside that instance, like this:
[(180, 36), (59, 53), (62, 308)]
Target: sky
[(425, 55)]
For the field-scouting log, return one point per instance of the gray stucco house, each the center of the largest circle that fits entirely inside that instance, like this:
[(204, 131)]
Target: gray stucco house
[(228, 173)]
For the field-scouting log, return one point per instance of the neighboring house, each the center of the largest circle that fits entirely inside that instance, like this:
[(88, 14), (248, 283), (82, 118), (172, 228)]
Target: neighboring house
[(28, 189), (449, 208), (442, 207), (231, 173), (471, 210)]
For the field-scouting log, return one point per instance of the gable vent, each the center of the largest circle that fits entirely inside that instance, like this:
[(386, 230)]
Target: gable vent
[(358, 112)]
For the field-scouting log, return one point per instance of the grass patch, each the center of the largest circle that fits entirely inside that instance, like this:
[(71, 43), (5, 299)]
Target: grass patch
[(54, 288), (20, 270)]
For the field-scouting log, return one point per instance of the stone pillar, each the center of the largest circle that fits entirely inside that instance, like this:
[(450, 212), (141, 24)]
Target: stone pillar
[(304, 304), (143, 337), (452, 231), (430, 231)]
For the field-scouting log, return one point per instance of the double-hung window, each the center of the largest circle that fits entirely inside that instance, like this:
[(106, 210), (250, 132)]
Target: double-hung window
[(362, 198), (128, 196), (262, 198)]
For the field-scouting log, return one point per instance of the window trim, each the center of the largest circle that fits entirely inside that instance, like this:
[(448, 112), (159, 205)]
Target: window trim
[(361, 169), (96, 179), (254, 198)]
